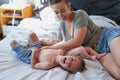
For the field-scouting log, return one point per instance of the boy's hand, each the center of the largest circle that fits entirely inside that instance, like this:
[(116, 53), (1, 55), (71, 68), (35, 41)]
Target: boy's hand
[(99, 56)]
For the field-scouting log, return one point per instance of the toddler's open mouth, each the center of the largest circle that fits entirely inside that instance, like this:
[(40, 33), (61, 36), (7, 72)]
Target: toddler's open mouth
[(63, 60)]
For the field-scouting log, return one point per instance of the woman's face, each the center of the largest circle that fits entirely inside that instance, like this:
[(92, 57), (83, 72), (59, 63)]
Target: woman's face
[(62, 10)]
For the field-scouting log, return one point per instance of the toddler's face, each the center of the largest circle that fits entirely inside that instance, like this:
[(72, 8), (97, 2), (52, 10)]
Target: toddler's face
[(70, 63)]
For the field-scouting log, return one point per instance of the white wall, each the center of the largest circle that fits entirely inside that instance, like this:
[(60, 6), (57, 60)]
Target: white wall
[(7, 1)]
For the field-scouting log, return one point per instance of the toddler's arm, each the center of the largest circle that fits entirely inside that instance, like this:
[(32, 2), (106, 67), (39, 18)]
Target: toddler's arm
[(34, 57), (93, 52), (81, 51), (42, 65), (86, 52)]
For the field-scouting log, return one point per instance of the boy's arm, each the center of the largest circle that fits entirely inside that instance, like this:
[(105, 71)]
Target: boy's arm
[(94, 53), (35, 52), (42, 65), (81, 51), (86, 52)]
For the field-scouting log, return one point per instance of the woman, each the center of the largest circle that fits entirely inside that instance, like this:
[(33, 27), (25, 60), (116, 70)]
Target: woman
[(78, 29)]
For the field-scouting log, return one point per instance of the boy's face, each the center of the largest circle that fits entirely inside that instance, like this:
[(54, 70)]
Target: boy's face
[(70, 63)]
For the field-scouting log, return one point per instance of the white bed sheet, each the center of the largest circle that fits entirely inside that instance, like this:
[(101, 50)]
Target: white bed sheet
[(11, 68)]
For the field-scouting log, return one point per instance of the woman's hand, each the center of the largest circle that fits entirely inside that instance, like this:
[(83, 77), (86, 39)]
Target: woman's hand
[(46, 47), (49, 42)]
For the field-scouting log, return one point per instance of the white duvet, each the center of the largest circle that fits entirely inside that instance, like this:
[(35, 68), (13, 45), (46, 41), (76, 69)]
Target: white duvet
[(11, 68)]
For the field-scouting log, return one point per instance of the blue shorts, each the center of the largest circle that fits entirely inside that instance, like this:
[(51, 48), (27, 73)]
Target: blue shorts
[(24, 53), (107, 35)]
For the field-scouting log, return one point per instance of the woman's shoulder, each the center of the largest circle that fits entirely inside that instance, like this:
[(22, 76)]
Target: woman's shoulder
[(81, 16), (80, 11)]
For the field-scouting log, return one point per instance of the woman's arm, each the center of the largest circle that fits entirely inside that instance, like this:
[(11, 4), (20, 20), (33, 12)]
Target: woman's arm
[(78, 39), (49, 42)]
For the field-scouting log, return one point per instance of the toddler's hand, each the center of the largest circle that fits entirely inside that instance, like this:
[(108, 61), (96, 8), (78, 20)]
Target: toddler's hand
[(99, 56)]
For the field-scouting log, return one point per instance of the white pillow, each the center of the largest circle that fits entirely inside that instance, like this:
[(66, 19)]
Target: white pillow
[(103, 21), (47, 14)]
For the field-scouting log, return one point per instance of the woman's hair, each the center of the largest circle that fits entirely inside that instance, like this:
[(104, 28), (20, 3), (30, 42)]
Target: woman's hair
[(52, 2)]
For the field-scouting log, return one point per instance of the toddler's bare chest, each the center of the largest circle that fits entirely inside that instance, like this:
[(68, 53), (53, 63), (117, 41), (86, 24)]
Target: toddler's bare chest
[(47, 58)]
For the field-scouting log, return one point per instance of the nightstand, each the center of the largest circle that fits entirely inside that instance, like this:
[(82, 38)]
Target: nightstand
[(8, 12)]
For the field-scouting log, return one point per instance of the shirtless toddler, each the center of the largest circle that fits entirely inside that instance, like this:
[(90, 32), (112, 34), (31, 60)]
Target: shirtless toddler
[(46, 58), (41, 58)]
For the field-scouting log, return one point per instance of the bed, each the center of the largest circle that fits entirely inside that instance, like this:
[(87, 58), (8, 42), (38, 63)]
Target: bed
[(11, 68)]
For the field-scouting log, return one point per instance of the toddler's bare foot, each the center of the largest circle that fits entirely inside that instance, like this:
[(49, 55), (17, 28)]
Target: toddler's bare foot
[(14, 42), (32, 37)]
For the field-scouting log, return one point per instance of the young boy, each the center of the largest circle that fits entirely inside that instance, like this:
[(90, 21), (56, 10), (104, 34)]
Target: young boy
[(46, 58)]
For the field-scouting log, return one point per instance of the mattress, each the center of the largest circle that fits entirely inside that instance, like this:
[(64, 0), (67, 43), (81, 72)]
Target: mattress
[(11, 68)]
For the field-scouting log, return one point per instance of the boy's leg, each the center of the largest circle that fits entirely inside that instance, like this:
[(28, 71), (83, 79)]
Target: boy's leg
[(32, 37), (22, 52), (14, 42), (34, 41)]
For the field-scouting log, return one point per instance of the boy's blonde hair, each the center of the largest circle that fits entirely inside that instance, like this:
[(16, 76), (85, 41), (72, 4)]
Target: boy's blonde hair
[(82, 63), (81, 66)]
